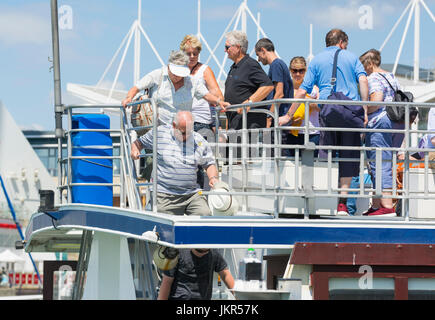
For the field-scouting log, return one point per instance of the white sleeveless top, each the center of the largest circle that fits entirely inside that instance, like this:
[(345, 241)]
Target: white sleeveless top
[(201, 110)]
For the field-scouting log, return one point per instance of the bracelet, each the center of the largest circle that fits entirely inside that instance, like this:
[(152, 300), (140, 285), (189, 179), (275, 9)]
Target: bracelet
[(214, 177)]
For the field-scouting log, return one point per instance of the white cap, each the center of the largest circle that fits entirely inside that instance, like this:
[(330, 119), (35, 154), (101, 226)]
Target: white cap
[(179, 70)]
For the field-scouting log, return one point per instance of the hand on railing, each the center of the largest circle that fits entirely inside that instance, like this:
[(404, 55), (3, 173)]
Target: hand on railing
[(136, 148), (126, 101), (224, 105), (240, 110), (285, 119)]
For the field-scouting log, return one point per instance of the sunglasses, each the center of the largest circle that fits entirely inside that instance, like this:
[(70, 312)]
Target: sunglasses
[(298, 70), (202, 250)]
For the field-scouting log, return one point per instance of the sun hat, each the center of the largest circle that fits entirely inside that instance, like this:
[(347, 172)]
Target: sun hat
[(222, 204), (179, 70)]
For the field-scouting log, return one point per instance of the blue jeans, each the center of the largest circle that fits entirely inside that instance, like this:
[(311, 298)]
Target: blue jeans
[(383, 139)]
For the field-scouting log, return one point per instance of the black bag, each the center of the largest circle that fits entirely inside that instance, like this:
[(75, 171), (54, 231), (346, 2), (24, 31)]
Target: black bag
[(337, 115), (397, 113)]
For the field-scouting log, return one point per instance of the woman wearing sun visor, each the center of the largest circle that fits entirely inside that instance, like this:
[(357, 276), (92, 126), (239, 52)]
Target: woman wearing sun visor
[(173, 88)]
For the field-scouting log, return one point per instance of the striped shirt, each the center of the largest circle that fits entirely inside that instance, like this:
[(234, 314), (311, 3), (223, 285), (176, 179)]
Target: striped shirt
[(177, 162), (172, 100)]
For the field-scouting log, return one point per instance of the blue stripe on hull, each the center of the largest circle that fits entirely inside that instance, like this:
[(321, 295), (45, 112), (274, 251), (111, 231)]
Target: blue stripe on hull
[(292, 234), (200, 232)]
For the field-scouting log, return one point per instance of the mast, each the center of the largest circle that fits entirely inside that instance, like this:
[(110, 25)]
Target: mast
[(56, 69), (58, 108), (417, 41), (137, 45)]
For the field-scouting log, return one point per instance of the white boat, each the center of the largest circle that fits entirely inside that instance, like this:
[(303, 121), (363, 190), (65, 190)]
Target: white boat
[(287, 214)]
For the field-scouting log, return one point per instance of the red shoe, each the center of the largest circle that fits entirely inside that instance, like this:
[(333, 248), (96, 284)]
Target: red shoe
[(384, 212), (342, 210), (371, 209)]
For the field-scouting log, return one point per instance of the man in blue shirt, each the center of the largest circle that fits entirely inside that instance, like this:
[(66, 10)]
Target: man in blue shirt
[(350, 73), (282, 83)]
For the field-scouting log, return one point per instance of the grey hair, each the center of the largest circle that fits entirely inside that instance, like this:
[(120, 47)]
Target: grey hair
[(179, 58), (237, 37)]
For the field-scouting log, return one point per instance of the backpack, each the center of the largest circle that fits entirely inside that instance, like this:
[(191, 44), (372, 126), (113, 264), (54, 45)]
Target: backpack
[(397, 113)]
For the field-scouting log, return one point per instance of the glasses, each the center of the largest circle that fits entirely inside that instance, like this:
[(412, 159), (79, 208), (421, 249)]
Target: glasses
[(227, 47), (298, 70)]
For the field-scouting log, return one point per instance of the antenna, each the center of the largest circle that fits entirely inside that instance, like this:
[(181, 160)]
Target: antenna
[(414, 10), (310, 55)]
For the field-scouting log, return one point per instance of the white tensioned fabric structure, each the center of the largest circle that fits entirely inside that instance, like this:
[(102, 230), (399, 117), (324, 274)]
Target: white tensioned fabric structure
[(423, 92), (100, 94)]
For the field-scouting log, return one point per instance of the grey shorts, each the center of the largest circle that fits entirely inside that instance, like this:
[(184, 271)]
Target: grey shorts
[(189, 204)]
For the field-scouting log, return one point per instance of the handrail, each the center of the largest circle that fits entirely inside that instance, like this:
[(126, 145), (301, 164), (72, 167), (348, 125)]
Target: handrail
[(277, 191)]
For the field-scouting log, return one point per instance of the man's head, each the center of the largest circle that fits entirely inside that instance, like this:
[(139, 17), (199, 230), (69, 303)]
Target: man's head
[(183, 125), (337, 37), (236, 45), (265, 51), (200, 252)]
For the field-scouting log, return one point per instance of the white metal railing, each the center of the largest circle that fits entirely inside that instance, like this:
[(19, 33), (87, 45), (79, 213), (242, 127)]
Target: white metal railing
[(270, 151)]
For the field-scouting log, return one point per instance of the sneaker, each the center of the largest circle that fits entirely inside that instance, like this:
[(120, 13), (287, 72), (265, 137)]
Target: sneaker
[(384, 212), (342, 210), (371, 210)]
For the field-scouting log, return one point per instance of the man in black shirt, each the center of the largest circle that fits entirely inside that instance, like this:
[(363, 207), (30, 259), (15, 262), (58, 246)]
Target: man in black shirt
[(246, 82), (192, 278)]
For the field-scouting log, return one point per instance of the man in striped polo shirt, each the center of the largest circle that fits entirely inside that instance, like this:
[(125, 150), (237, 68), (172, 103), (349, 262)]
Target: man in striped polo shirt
[(180, 151)]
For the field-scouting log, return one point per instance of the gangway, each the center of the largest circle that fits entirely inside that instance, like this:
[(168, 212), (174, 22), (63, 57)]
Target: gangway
[(284, 202)]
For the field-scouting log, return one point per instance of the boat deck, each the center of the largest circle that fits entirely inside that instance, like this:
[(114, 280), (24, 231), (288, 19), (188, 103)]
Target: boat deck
[(59, 231)]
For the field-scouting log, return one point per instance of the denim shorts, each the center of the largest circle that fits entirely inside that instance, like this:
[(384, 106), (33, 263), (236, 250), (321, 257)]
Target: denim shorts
[(386, 140)]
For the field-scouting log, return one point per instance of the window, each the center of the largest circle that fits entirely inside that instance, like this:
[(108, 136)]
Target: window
[(421, 289), (352, 289)]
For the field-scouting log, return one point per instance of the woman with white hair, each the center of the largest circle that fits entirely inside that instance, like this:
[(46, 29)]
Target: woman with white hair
[(173, 88)]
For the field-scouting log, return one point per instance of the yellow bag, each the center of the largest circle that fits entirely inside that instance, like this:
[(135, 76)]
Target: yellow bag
[(299, 114)]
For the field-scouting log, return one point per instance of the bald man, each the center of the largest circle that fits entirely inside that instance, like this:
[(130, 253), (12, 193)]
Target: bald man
[(180, 151)]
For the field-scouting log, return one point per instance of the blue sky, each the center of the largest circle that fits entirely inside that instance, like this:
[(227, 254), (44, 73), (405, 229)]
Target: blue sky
[(26, 83)]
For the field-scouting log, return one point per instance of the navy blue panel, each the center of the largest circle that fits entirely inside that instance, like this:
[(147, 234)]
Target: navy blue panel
[(102, 220), (291, 235), (233, 235)]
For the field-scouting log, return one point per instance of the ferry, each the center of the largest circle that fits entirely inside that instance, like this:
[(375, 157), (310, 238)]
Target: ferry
[(286, 215)]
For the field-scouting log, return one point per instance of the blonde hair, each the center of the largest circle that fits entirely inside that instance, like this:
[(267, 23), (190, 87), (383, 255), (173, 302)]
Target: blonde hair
[(298, 61), (190, 41)]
